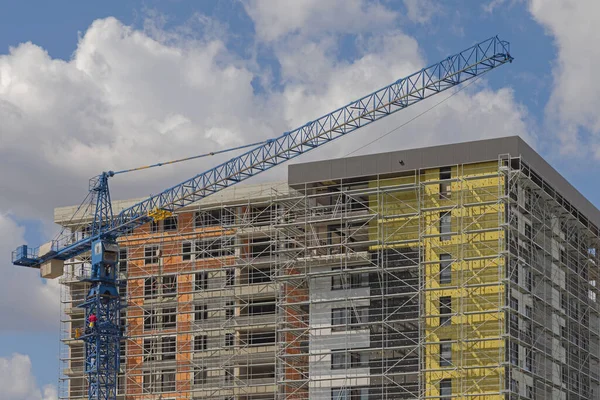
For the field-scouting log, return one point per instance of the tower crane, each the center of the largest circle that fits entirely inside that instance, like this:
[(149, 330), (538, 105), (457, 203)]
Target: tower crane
[(103, 303)]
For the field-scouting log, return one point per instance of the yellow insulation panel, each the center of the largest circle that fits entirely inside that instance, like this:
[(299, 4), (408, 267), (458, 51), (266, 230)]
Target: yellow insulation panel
[(411, 217)]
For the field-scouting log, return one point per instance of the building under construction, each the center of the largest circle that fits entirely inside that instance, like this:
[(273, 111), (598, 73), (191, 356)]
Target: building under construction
[(450, 272)]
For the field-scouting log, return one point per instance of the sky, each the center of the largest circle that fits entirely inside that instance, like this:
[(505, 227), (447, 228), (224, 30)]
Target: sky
[(92, 86)]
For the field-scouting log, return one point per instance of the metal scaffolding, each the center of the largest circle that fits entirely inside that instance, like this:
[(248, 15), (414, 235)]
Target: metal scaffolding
[(363, 267), (468, 280)]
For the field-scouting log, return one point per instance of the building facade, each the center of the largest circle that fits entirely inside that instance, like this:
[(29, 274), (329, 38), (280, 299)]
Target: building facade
[(451, 272)]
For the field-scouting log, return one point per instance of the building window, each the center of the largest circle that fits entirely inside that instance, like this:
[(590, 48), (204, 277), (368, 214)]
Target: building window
[(150, 349), (528, 360), (166, 284), (344, 279), (445, 225), (229, 340), (514, 386), (340, 394), (528, 231), (514, 353), (213, 218), (169, 285), (261, 247), (123, 259), (200, 342), (122, 288), (169, 318), (359, 315), (256, 275), (228, 375), (445, 353), (149, 320), (159, 381), (186, 251), (199, 376), (514, 317), (122, 352), (199, 219), (150, 381), (213, 248), (338, 282), (514, 272), (229, 309), (345, 360), (230, 277), (349, 318), (338, 360), (527, 322), (154, 226), (170, 223), (168, 380), (356, 393), (445, 269), (260, 338), (151, 254), (445, 310), (201, 280), (338, 316), (169, 347), (529, 391), (259, 307), (445, 174), (200, 312), (445, 389), (528, 279), (575, 380), (563, 256), (527, 198), (150, 288), (359, 359)]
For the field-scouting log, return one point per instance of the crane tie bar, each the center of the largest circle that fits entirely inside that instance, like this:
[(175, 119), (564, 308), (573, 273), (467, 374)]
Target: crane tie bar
[(212, 153)]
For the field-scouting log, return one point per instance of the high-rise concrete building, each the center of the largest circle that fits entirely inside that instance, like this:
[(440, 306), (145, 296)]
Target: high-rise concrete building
[(464, 271)]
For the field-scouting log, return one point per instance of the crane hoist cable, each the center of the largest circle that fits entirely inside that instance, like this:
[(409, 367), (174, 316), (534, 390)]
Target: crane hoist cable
[(212, 153)]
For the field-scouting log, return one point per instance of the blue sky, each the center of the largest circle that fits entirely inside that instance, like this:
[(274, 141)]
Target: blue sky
[(120, 77)]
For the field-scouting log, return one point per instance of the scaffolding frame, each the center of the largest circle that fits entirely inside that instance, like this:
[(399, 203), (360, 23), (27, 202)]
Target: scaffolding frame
[(399, 286), (553, 341)]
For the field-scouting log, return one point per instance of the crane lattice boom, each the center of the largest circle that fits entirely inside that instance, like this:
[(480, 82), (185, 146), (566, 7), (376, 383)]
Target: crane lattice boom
[(103, 303)]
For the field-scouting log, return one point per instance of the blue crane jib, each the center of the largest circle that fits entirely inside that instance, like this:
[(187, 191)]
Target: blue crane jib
[(103, 304)]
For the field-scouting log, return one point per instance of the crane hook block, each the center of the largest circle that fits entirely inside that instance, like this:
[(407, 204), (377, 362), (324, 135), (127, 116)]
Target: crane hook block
[(158, 214)]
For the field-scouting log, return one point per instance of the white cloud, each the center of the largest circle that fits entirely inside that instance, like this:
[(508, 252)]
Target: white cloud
[(572, 112), (422, 11), (274, 19), (492, 5), (316, 82), (496, 4), (18, 383), (124, 100), (130, 98), (27, 302)]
